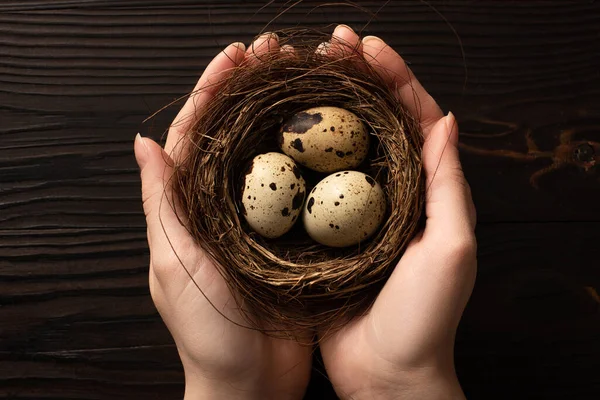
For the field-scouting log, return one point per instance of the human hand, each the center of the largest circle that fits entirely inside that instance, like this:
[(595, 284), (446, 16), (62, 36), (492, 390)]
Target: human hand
[(221, 360), (403, 348)]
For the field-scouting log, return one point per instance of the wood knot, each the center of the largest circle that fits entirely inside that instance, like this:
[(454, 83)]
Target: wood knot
[(584, 153)]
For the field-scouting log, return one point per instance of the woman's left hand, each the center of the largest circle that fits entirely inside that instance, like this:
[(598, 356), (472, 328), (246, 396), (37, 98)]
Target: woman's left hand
[(222, 360)]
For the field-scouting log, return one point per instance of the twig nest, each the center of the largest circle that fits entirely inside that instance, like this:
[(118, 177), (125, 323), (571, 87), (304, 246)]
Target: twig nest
[(293, 282)]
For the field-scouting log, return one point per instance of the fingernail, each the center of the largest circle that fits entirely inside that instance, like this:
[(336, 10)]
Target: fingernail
[(450, 121), (239, 45), (341, 26), (371, 39), (287, 48), (452, 127), (322, 48), (269, 35), (141, 151)]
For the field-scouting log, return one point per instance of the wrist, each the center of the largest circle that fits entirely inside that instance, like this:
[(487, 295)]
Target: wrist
[(199, 387), (421, 384), (441, 389), (204, 389)]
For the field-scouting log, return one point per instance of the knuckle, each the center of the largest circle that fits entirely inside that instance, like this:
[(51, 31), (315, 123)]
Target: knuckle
[(164, 259), (463, 247), (452, 176), (459, 259), (153, 285), (457, 245), (147, 202), (454, 245), (169, 257), (154, 200)]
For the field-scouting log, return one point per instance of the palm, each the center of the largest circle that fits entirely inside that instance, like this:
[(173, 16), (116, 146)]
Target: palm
[(413, 318), (235, 354)]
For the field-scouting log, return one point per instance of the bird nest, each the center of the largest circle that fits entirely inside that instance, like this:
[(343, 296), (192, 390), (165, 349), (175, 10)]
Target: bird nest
[(292, 283)]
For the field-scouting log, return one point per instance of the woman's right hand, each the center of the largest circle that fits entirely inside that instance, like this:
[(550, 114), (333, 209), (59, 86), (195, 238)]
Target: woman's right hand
[(404, 347)]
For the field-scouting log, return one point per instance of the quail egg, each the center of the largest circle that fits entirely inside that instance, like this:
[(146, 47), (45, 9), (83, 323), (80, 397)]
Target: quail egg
[(344, 209), (325, 139), (273, 194)]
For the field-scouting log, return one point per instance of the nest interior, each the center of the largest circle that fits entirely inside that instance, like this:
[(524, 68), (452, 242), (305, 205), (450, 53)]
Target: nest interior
[(293, 283)]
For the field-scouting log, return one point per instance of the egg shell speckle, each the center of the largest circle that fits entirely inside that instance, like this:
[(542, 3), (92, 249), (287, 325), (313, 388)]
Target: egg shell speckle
[(325, 139), (273, 194), (344, 209)]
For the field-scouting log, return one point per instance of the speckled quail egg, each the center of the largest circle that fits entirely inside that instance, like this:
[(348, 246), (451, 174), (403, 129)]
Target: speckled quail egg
[(325, 139), (344, 209), (273, 194)]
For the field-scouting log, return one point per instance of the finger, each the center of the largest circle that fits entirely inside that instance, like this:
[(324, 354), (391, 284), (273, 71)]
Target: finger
[(448, 206), (391, 67), (288, 49), (209, 83), (433, 264), (165, 228), (346, 41), (265, 44), (323, 49), (432, 283), (176, 260)]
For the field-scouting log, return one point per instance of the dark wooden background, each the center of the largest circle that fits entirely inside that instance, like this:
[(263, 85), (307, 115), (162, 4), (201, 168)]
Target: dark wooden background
[(77, 77)]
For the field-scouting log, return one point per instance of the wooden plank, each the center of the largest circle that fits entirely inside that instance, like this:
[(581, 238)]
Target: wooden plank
[(112, 68), (532, 327), (532, 314), (78, 77)]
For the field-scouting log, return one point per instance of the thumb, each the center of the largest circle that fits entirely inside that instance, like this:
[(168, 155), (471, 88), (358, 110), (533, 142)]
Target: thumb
[(430, 286), (448, 205), (165, 227)]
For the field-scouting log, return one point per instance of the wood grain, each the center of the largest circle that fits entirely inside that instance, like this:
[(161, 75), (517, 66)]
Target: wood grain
[(78, 78)]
